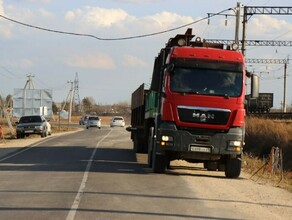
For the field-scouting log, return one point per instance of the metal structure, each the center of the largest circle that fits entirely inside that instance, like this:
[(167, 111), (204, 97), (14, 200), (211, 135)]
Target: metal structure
[(249, 11), (273, 43), (76, 97), (31, 101)]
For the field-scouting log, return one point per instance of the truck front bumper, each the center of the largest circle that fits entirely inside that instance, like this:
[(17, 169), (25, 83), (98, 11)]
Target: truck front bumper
[(198, 144)]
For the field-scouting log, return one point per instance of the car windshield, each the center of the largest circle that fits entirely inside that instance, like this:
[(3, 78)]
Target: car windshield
[(93, 118), (29, 119), (118, 119), (206, 81)]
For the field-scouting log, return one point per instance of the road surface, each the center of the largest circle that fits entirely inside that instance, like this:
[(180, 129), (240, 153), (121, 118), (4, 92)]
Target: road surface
[(94, 174)]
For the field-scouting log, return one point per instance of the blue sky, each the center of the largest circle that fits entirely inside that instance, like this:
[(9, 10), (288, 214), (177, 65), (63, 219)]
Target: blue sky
[(110, 70)]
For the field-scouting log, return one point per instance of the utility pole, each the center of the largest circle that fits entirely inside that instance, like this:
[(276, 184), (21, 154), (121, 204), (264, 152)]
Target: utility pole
[(285, 82), (70, 100), (28, 85), (237, 14), (29, 82)]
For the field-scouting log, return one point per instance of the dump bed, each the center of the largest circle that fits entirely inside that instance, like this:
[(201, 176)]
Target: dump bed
[(138, 107)]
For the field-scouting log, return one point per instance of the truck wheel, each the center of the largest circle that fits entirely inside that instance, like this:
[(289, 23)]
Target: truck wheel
[(135, 143), (233, 167), (150, 145), (139, 143), (158, 163)]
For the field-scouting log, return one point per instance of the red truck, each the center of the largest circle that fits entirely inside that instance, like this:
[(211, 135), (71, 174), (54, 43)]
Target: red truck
[(194, 108)]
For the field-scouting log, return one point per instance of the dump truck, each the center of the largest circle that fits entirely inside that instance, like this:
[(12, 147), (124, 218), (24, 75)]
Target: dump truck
[(194, 108)]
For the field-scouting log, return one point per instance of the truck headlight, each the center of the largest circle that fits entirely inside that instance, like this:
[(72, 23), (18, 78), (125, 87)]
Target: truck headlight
[(167, 138), (166, 141), (235, 145)]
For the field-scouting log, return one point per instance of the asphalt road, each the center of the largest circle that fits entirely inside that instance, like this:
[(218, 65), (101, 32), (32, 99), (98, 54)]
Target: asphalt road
[(94, 174)]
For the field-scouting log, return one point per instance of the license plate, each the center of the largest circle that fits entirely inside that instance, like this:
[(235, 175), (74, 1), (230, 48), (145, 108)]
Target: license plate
[(28, 131), (201, 149)]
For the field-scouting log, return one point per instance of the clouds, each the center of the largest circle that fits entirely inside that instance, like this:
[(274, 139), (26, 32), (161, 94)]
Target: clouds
[(95, 60), (1, 7), (96, 17), (267, 26), (103, 61), (133, 61)]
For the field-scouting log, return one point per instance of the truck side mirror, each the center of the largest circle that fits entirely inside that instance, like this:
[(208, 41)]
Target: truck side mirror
[(170, 67), (254, 86)]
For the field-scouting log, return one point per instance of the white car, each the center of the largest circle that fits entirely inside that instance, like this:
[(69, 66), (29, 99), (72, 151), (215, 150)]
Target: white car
[(117, 121), (93, 121)]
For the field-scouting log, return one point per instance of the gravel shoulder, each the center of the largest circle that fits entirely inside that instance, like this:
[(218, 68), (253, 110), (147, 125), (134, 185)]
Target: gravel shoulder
[(253, 200)]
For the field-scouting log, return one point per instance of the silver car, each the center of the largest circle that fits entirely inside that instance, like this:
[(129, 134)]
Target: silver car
[(117, 121), (93, 121), (33, 124)]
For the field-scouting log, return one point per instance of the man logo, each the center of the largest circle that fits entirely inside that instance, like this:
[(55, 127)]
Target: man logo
[(203, 116)]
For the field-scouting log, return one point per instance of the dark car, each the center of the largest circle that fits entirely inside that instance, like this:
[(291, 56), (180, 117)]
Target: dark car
[(83, 120), (32, 124)]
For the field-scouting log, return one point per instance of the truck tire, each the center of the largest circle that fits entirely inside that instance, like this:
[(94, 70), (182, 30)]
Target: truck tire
[(233, 167), (135, 142), (158, 163), (150, 145), (139, 143)]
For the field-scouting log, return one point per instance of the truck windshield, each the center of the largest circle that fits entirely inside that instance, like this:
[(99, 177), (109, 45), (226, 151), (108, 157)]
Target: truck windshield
[(206, 81)]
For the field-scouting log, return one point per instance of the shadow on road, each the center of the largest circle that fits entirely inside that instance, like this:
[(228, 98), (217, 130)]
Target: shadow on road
[(76, 159), (71, 159)]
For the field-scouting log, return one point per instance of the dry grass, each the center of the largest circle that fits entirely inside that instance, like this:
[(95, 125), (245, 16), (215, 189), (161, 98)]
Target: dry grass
[(261, 136), (260, 172)]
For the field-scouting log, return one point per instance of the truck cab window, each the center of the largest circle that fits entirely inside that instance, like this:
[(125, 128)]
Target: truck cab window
[(206, 82)]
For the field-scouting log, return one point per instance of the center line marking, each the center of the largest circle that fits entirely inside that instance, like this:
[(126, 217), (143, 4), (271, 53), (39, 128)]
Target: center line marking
[(75, 205)]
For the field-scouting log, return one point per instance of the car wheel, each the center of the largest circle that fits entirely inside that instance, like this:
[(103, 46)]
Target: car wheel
[(18, 135)]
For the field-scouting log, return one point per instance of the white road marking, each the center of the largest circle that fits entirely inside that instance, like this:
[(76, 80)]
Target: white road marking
[(75, 205)]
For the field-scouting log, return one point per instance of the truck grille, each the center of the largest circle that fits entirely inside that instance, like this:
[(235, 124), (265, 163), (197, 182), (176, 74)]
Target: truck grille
[(203, 115)]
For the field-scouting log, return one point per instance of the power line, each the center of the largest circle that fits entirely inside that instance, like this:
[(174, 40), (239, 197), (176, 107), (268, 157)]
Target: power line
[(113, 39)]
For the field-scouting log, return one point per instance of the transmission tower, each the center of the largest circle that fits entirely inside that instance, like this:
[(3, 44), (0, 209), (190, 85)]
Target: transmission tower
[(76, 97)]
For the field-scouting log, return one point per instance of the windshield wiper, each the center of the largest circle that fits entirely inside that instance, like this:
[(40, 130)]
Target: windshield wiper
[(191, 91)]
